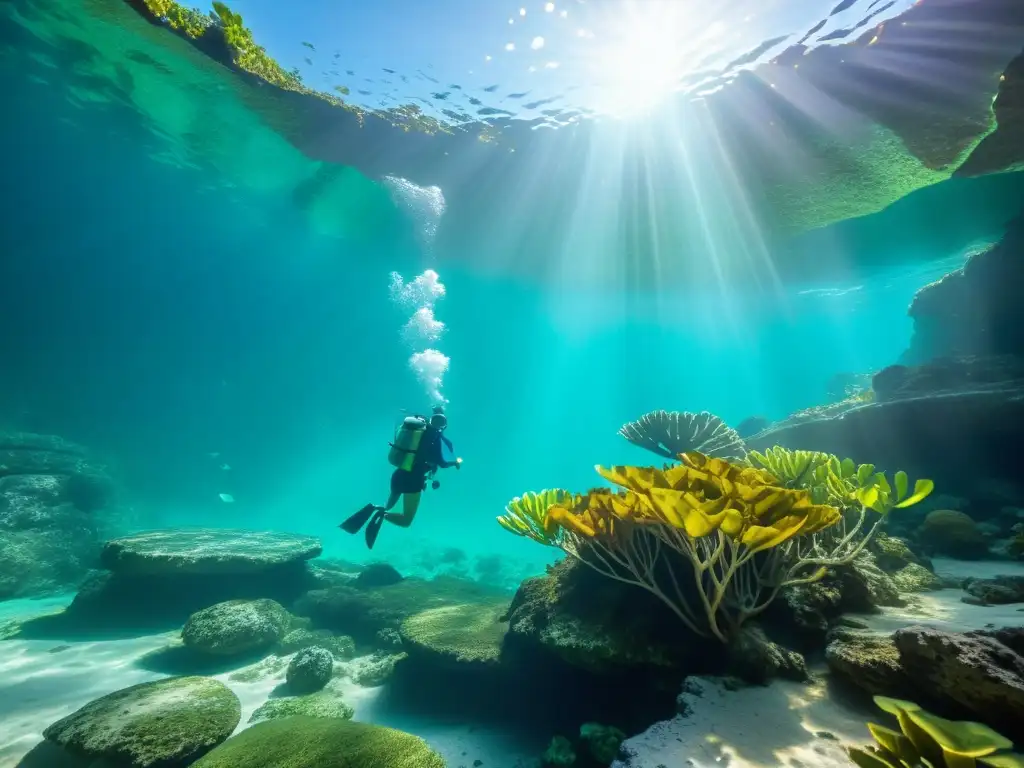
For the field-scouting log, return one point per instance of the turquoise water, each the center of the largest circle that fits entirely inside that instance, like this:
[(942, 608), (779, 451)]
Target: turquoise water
[(198, 277), (169, 312)]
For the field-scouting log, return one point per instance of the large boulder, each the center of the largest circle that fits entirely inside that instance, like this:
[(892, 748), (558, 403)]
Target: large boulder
[(309, 670), (236, 627), (206, 551), (160, 578), (868, 660), (999, 590), (981, 673), (322, 742), (55, 502), (164, 724)]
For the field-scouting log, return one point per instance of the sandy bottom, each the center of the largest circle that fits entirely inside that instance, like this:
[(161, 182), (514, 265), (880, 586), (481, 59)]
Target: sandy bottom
[(42, 681), (784, 725)]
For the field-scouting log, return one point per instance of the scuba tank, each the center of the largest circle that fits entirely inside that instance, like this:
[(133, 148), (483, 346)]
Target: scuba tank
[(407, 442)]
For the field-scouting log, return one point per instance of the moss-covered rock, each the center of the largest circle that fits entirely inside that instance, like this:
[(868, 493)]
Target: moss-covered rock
[(321, 704), (597, 624), (167, 723), (377, 575), (916, 578), (236, 627), (363, 612), (869, 661), (319, 742), (953, 533), (341, 646), (374, 670), (602, 742), (310, 670), (866, 587), (559, 753), (893, 553), (467, 635), (756, 659), (999, 590)]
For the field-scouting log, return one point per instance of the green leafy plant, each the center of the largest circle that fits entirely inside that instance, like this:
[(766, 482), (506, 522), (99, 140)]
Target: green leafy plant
[(925, 740)]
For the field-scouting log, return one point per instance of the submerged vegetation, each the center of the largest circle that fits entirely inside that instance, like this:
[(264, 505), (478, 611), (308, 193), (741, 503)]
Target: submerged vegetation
[(740, 530), (926, 740)]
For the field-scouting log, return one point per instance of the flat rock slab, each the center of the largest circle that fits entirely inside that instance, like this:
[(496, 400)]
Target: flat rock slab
[(209, 551)]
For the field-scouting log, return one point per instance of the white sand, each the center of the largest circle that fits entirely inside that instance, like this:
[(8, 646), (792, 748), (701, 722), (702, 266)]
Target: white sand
[(784, 724)]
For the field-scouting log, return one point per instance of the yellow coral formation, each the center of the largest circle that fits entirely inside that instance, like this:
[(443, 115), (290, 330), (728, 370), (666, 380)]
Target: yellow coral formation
[(741, 531), (698, 497)]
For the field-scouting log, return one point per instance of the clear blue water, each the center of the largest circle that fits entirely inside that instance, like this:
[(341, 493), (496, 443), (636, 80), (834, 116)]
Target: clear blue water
[(160, 314)]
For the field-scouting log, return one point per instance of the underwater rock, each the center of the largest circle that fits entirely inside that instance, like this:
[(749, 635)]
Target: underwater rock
[(597, 624), (341, 646), (917, 578), (892, 554), (981, 672), (463, 636), (236, 627), (310, 670), (601, 742), (866, 587), (376, 669), (869, 661), (377, 575), (999, 590), (322, 704), (362, 613), (167, 723), (805, 613), (559, 753), (922, 422), (207, 551), (389, 639), (54, 503), (322, 741), (754, 658), (974, 310), (953, 533)]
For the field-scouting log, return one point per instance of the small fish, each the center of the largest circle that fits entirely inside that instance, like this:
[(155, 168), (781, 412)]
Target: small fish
[(227, 498), (225, 467), (214, 454)]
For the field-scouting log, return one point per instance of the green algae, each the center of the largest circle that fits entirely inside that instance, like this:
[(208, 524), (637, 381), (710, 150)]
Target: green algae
[(171, 721), (317, 742), (321, 704)]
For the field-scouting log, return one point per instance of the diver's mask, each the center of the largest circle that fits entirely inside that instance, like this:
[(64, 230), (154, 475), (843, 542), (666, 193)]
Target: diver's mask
[(438, 420)]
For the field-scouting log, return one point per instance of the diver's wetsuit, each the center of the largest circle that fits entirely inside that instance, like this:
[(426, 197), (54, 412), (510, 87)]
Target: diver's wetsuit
[(429, 456)]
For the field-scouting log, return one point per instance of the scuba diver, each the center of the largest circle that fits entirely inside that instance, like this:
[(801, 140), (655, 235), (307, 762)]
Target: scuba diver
[(416, 455)]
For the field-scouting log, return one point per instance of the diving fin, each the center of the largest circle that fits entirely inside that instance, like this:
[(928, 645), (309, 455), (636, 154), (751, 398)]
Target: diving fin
[(355, 523), (373, 529)]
